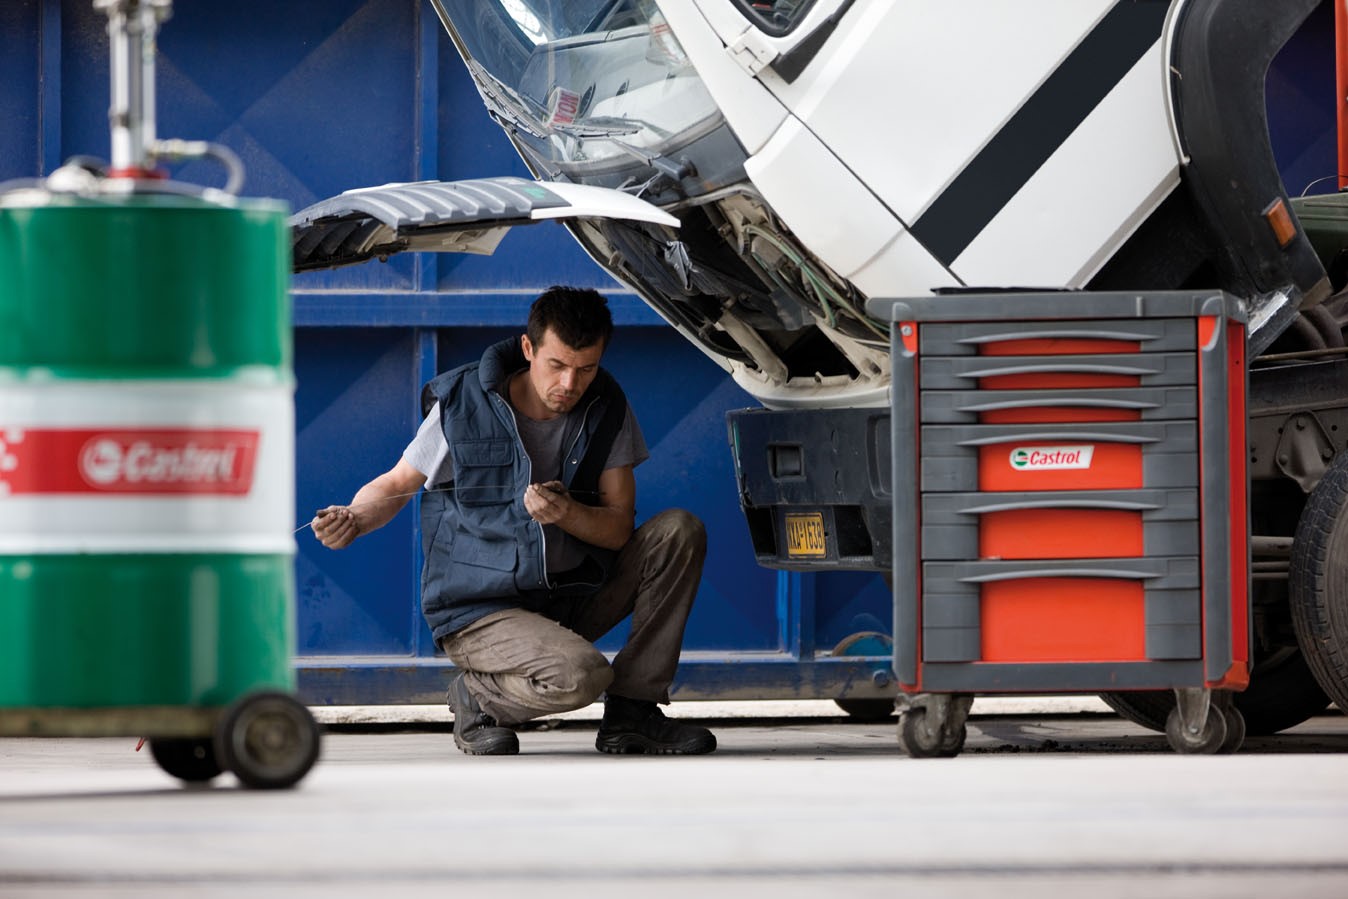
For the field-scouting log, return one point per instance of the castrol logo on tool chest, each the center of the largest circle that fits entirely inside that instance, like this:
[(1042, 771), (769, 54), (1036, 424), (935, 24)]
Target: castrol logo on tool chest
[(1051, 458), (145, 461)]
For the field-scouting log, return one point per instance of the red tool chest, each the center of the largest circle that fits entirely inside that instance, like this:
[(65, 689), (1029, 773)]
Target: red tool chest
[(1070, 496)]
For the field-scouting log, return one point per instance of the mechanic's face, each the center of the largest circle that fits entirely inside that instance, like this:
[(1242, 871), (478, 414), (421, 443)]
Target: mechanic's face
[(558, 374)]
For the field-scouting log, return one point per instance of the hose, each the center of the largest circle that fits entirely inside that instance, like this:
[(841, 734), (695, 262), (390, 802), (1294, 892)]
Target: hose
[(179, 150), (822, 290)]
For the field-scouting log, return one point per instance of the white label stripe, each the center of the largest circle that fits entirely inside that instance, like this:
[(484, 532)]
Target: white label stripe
[(142, 467), (142, 544)]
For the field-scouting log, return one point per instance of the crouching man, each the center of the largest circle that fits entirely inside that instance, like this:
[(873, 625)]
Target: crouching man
[(527, 530)]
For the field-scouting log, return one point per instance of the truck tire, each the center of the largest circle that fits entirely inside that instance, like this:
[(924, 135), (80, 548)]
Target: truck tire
[(1282, 693), (1318, 581)]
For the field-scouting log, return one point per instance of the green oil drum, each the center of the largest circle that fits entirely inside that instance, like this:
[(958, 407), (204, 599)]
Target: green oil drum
[(146, 452)]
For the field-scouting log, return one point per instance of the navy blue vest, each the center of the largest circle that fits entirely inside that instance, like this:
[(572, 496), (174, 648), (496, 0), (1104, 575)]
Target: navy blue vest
[(483, 552)]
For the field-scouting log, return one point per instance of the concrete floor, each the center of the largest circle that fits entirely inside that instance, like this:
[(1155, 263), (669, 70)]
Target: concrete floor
[(1077, 804)]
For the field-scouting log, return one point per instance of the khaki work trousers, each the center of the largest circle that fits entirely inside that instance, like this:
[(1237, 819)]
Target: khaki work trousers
[(521, 665)]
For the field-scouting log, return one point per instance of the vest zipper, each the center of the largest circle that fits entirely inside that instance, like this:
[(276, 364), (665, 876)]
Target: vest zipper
[(566, 459), (529, 479)]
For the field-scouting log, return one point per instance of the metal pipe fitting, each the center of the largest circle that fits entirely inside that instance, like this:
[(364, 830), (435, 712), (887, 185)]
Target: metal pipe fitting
[(132, 26)]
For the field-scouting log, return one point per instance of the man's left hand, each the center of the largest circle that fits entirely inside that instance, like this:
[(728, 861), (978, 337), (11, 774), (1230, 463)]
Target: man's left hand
[(547, 503)]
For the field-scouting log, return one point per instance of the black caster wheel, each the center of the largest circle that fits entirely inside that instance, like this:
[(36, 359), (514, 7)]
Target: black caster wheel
[(268, 740), (1235, 730), (186, 759), (1211, 739), (923, 736)]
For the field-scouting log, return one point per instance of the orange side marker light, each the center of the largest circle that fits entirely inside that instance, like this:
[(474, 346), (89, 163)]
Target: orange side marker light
[(1280, 220)]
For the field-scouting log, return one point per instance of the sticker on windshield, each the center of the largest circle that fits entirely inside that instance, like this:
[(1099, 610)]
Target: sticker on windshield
[(1051, 458), (563, 106)]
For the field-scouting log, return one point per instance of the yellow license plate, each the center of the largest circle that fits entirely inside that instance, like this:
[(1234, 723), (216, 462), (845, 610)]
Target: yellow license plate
[(805, 535)]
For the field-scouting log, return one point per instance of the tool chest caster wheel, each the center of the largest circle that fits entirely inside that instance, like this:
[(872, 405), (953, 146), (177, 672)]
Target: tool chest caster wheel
[(1207, 739), (268, 740), (190, 760), (932, 725), (922, 738), (1235, 730)]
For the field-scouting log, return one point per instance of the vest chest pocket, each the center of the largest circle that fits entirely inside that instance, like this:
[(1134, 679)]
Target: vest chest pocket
[(483, 472)]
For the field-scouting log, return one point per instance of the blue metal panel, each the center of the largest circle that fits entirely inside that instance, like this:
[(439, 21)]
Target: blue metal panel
[(1301, 107), (354, 412), (318, 96), (20, 93)]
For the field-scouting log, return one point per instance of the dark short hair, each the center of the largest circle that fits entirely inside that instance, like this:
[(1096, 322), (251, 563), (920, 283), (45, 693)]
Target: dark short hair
[(579, 316)]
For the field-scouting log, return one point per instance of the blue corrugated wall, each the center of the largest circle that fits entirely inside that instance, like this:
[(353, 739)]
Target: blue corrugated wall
[(318, 96)]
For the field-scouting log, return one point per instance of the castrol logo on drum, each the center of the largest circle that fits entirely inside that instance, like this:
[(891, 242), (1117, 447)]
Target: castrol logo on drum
[(197, 461)]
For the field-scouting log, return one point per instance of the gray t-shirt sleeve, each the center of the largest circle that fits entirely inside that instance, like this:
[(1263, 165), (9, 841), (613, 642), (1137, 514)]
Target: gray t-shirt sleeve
[(428, 452), (629, 447)]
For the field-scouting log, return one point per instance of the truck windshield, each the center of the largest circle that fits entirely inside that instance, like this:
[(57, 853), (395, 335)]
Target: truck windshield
[(582, 81)]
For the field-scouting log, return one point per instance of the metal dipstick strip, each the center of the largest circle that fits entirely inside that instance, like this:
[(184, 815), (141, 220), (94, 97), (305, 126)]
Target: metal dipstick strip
[(309, 524)]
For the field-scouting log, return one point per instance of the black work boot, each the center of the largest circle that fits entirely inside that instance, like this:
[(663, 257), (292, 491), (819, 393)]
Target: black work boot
[(633, 727), (476, 732)]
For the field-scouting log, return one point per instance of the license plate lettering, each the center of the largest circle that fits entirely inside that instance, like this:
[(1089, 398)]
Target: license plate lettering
[(805, 536)]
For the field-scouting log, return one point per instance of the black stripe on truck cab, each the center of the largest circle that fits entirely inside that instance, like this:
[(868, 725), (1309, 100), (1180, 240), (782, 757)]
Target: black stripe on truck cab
[(1039, 127)]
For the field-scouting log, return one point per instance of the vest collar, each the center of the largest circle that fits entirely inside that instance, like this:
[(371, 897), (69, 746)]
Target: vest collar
[(504, 358), (499, 362)]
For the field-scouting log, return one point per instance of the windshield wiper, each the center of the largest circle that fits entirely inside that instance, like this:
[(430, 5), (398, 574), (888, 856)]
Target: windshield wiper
[(516, 112), (588, 128)]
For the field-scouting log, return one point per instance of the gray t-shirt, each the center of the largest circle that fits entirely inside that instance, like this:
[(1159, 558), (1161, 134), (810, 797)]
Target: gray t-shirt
[(428, 453)]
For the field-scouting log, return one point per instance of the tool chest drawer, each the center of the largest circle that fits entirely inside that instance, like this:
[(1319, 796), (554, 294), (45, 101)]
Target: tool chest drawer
[(1057, 405), (1074, 456), (1060, 524), (1029, 337), (1078, 610), (1098, 370), (1069, 492)]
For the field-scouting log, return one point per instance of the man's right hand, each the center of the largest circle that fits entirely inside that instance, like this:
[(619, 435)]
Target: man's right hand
[(335, 527)]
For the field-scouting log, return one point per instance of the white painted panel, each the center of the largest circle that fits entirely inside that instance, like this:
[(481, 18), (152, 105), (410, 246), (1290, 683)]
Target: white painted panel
[(828, 209), (1088, 197), (749, 108), (906, 93), (902, 268)]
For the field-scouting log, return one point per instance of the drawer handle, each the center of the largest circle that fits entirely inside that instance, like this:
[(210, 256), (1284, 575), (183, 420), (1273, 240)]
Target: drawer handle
[(1117, 573), (1075, 436), (1053, 403), (1119, 505), (1059, 334), (1084, 368)]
